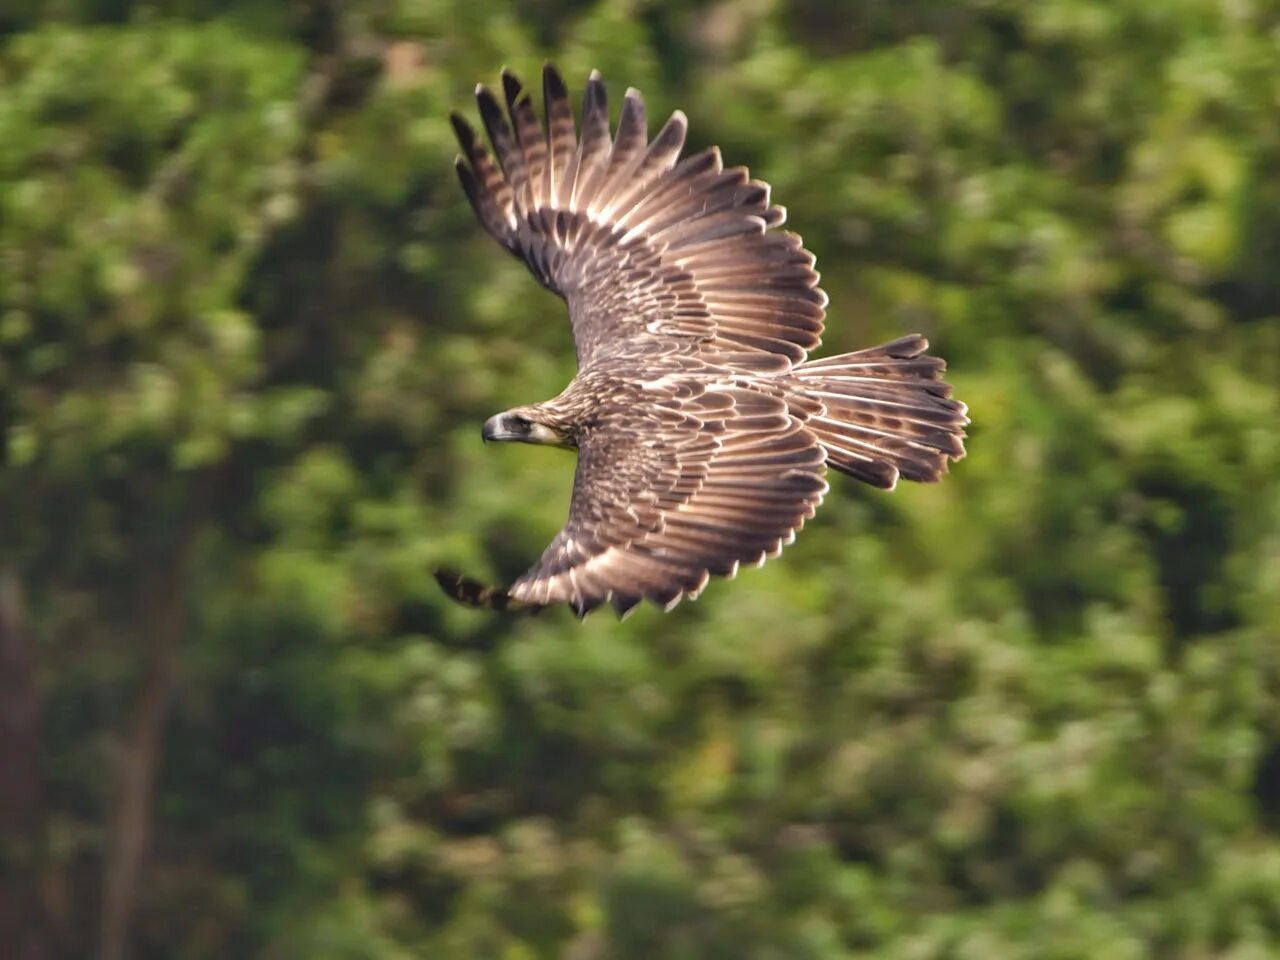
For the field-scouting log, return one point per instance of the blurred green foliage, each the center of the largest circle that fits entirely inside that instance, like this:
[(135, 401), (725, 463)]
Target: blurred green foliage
[(248, 334)]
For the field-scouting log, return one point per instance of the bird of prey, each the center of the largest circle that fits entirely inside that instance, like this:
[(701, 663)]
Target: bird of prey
[(703, 432)]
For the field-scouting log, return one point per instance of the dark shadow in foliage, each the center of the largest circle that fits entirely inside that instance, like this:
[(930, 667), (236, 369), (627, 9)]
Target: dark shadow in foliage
[(1266, 787), (261, 769), (1252, 292), (1189, 555)]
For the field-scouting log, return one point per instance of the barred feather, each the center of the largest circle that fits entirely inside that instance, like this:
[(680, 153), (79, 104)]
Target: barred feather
[(884, 412), (703, 432)]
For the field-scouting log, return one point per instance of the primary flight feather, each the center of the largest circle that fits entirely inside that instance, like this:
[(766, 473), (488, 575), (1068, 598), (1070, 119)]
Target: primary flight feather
[(703, 433)]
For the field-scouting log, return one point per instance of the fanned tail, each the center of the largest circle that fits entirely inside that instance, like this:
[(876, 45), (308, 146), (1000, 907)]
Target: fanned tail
[(884, 412)]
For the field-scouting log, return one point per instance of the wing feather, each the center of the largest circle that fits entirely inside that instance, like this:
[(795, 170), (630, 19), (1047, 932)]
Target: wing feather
[(483, 182), (593, 147), (504, 145), (644, 245), (561, 137), (658, 157), (531, 141), (628, 146), (674, 493)]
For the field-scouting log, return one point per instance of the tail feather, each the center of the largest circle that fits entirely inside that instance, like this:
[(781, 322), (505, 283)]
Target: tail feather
[(884, 412)]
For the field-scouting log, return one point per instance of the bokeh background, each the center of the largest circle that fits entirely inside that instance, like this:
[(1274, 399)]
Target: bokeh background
[(249, 331)]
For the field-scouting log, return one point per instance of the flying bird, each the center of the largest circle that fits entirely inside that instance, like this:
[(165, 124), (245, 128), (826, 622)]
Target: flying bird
[(703, 433)]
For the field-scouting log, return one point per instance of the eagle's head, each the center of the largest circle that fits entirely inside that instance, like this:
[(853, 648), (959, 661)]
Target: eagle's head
[(528, 425)]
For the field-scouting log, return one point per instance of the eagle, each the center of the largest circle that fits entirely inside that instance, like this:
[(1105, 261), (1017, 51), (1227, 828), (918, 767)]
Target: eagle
[(703, 432)]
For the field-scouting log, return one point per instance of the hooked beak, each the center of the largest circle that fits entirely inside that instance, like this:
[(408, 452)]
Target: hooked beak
[(509, 426)]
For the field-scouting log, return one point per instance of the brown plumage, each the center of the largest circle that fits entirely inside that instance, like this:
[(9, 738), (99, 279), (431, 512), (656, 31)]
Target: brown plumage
[(703, 433)]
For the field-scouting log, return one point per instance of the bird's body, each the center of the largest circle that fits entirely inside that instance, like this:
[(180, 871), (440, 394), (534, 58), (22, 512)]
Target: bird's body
[(703, 432)]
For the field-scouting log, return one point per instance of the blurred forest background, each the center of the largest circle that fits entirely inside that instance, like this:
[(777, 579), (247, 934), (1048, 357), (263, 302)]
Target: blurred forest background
[(249, 331)]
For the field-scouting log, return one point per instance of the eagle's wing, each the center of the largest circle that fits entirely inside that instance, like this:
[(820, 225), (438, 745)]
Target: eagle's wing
[(640, 243), (670, 492)]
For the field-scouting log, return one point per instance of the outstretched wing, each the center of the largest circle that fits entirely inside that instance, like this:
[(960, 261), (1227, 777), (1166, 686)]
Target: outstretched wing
[(640, 243), (670, 493)]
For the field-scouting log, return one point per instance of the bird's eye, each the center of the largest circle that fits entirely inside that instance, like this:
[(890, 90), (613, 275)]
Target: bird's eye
[(520, 424)]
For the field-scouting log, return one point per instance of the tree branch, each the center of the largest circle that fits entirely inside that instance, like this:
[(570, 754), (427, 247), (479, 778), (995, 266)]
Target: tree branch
[(163, 616), (23, 924)]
